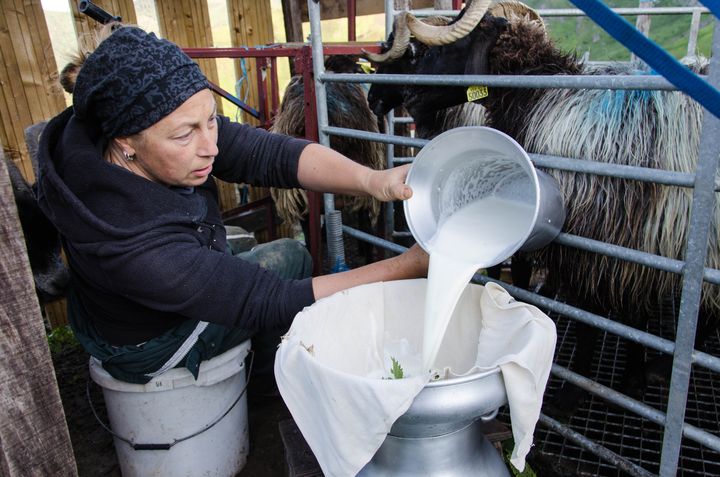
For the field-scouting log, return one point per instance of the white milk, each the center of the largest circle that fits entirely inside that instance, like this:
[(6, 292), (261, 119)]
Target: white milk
[(479, 235)]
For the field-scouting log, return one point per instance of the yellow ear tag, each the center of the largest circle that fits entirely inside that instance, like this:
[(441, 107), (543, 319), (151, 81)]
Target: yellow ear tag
[(476, 92), (366, 68)]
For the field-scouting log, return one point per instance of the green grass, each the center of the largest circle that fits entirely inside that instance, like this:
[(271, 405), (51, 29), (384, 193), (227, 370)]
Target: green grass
[(582, 35), (61, 339)]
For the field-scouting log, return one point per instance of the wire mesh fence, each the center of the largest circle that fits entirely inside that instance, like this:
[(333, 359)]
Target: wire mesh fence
[(623, 432)]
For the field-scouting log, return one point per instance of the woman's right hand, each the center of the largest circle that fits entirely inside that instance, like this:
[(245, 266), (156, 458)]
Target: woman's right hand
[(416, 262)]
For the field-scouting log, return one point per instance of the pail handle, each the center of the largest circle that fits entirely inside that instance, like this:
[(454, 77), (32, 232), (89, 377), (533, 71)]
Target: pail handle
[(167, 446)]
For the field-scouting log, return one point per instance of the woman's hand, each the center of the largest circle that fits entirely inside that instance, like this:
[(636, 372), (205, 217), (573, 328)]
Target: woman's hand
[(387, 185), (415, 262)]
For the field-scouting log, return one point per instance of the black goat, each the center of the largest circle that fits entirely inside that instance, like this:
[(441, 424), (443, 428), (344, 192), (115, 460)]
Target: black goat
[(42, 240)]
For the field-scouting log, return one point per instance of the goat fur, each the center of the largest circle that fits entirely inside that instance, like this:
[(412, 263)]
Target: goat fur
[(347, 108), (655, 129), (50, 274)]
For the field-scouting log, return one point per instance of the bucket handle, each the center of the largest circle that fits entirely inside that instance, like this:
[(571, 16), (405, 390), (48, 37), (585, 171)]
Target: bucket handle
[(167, 446)]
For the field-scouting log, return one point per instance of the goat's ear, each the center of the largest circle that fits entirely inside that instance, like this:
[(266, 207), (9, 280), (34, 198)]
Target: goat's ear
[(482, 42)]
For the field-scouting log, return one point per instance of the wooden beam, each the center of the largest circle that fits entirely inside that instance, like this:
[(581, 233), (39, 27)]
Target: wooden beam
[(293, 21), (34, 438)]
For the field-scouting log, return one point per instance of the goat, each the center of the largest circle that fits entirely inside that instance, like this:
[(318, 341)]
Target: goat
[(347, 107), (50, 274), (640, 128)]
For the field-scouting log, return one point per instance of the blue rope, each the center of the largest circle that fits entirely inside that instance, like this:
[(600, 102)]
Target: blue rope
[(239, 85), (660, 60)]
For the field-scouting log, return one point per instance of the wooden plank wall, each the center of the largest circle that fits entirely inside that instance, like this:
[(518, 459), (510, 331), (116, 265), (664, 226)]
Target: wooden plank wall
[(28, 74), (187, 23), (251, 25), (34, 438), (30, 90)]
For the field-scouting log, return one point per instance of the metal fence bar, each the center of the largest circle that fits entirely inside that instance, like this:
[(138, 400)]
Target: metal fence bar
[(318, 59), (699, 232), (377, 137), (635, 82), (645, 174), (373, 240), (659, 262), (650, 413), (633, 334), (389, 218), (597, 449), (575, 12)]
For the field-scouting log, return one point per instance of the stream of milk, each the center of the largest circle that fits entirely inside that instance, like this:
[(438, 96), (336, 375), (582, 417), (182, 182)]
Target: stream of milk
[(479, 235)]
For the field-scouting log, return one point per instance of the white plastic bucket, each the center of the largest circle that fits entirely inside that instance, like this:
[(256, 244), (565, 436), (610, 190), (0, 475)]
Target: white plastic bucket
[(173, 406)]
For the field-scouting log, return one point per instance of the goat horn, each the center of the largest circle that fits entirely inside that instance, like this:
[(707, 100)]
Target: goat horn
[(509, 9), (401, 40), (443, 35)]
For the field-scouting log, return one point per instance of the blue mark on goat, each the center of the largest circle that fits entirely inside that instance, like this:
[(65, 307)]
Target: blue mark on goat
[(615, 105)]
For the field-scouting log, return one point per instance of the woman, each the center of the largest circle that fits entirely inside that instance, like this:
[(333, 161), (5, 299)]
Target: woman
[(125, 175)]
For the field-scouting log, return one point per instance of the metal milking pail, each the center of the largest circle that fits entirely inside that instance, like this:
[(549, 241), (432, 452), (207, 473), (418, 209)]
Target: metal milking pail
[(467, 164)]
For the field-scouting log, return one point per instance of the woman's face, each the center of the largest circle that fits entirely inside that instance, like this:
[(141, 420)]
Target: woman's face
[(178, 150)]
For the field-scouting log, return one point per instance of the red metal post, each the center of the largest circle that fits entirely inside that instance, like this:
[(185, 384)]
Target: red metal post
[(260, 68), (457, 4), (274, 87), (351, 6)]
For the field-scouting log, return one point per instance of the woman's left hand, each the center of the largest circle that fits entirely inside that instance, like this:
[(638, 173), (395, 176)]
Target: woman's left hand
[(389, 184)]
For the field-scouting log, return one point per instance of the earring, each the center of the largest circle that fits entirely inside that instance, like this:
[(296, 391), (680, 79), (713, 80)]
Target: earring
[(128, 157)]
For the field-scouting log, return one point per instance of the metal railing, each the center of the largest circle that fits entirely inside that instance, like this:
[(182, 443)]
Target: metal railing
[(692, 269)]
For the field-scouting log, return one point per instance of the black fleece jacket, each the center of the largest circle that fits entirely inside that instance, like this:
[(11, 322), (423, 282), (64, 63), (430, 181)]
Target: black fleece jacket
[(145, 257)]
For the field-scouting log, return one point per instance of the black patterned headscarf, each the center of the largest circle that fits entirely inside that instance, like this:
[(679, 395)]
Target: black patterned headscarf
[(133, 80)]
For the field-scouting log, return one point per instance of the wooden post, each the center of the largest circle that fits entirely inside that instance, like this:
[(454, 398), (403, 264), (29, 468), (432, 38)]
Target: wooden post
[(694, 29), (293, 21), (643, 23), (34, 438)]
